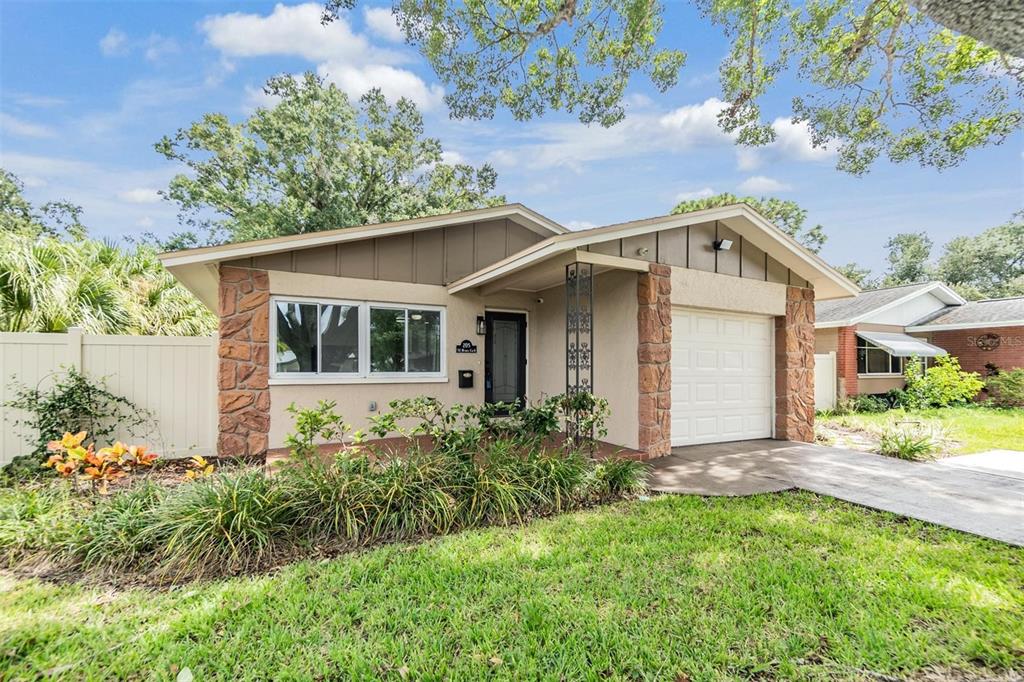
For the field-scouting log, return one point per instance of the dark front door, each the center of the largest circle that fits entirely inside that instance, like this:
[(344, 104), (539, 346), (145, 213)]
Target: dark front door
[(505, 357)]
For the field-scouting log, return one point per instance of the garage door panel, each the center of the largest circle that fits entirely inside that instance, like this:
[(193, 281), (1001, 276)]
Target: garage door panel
[(721, 377)]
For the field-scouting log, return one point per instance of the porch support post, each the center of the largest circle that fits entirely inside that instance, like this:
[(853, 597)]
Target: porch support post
[(579, 334), (654, 360), (794, 367)]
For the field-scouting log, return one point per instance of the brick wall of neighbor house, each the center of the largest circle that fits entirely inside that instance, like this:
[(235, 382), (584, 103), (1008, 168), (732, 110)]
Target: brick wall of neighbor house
[(963, 343), (794, 367), (243, 370), (654, 355), (846, 361)]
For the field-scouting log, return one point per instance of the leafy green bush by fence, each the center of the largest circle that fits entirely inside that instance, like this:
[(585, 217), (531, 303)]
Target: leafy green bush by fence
[(74, 403)]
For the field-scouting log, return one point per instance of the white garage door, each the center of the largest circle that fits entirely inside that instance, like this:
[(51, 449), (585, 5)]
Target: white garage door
[(721, 376)]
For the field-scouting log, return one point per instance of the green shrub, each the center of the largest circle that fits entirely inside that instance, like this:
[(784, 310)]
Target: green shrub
[(331, 497), (617, 477), (219, 524), (74, 403), (863, 402), (412, 495), (941, 385), (1006, 389), (116, 532), (908, 442), (37, 518)]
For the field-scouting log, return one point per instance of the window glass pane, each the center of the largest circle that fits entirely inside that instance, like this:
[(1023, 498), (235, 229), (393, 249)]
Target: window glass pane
[(424, 341), (862, 361), (296, 337), (387, 340), (895, 364), (339, 338), (878, 361)]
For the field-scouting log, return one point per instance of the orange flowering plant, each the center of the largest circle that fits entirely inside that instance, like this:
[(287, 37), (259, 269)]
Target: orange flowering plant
[(73, 459)]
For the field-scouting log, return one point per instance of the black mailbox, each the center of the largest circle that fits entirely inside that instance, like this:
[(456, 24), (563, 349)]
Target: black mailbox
[(465, 378)]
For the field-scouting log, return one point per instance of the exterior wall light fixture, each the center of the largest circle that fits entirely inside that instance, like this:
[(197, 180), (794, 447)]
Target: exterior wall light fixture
[(481, 325), (722, 244)]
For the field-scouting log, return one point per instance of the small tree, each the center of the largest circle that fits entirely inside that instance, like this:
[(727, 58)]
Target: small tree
[(941, 385)]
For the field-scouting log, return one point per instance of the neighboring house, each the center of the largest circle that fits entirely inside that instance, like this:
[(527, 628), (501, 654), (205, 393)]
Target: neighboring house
[(697, 327), (874, 334)]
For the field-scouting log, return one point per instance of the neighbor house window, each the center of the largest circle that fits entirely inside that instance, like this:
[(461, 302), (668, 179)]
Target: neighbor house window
[(872, 359), (351, 339)]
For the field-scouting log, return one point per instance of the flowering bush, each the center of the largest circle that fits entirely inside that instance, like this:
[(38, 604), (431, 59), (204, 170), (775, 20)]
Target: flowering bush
[(83, 463)]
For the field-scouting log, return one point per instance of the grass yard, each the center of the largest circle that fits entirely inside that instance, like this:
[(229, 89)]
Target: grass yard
[(976, 429), (782, 586)]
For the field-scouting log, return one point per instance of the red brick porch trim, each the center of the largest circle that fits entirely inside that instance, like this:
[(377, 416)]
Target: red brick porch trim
[(243, 370), (846, 360), (794, 367), (654, 356)]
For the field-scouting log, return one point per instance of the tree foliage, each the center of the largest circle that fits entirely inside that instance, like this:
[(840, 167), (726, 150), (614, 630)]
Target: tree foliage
[(313, 162), (989, 265), (876, 78), (860, 276), (908, 259), (53, 276), (787, 215)]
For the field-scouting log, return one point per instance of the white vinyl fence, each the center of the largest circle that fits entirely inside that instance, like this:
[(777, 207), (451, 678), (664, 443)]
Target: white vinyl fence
[(172, 377), (825, 381)]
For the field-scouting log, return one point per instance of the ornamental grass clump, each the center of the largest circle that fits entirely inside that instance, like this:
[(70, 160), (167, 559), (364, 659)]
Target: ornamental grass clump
[(116, 533), (224, 523), (37, 519)]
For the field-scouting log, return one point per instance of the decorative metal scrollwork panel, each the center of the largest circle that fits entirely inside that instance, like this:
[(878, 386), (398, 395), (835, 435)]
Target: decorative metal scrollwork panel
[(579, 328)]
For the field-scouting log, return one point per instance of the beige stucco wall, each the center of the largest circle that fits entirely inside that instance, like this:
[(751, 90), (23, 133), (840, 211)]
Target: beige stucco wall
[(697, 289), (615, 350), (826, 340), (615, 346), (353, 398)]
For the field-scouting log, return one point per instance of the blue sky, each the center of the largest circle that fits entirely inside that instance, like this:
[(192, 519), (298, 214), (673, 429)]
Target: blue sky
[(87, 88)]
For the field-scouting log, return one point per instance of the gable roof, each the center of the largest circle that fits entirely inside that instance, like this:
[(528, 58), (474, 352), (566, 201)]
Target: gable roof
[(996, 312), (742, 218), (849, 311), (517, 213)]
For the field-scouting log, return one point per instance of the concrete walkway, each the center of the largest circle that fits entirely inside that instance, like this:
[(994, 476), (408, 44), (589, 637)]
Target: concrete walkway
[(981, 494)]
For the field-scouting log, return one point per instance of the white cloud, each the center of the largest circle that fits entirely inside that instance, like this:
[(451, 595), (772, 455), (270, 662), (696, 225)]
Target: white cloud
[(793, 142), (257, 98), (343, 56), (140, 195), (393, 83), (291, 31), (580, 225), (145, 222), (761, 184), (702, 193), (115, 43), (572, 145), (452, 158), (157, 47), (98, 189), (21, 128), (32, 181), (381, 22), (27, 99)]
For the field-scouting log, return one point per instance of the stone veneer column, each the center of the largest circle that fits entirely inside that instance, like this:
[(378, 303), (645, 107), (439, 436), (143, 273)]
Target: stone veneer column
[(654, 355), (243, 373), (794, 367)]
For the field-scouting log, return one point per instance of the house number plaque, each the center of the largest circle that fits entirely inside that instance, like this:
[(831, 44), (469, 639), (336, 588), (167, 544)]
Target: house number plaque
[(465, 346)]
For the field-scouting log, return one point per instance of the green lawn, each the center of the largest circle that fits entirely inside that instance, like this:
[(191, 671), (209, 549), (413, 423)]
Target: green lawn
[(785, 586), (976, 429)]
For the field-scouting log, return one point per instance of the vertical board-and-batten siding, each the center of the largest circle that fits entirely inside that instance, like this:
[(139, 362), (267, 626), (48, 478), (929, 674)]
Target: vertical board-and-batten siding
[(437, 256), (172, 377), (691, 247)]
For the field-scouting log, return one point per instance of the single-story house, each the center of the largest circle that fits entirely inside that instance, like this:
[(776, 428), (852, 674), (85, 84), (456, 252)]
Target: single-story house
[(875, 333), (696, 327)]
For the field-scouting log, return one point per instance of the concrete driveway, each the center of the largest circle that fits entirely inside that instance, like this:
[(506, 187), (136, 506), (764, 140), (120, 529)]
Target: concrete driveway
[(981, 494)]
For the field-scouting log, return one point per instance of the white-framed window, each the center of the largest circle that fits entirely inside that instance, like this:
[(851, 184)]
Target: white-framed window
[(340, 339), (873, 359)]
